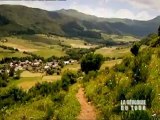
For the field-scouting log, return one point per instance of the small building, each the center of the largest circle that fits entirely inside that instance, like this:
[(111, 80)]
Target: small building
[(46, 67), (66, 62)]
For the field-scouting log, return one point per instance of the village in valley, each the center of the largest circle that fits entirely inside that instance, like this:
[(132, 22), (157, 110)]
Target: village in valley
[(36, 66), (15, 62)]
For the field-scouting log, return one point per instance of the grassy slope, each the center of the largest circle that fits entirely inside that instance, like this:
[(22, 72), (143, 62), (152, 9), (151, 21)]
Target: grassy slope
[(29, 79), (68, 110), (119, 38), (7, 53), (113, 52), (110, 63), (105, 98)]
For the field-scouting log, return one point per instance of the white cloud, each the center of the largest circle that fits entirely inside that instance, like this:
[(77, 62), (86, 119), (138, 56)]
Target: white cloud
[(144, 4), (124, 13), (101, 10), (110, 13), (47, 5), (143, 16)]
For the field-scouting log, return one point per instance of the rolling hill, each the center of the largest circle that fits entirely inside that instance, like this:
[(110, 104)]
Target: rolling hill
[(16, 19)]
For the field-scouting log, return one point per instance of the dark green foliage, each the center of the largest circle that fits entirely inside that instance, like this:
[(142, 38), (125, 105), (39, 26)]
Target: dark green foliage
[(5, 75), (11, 59), (143, 92), (50, 59), (3, 83), (121, 93), (136, 68), (11, 72), (140, 73), (13, 96), (58, 97), (89, 76), (124, 65), (158, 53), (50, 71), (91, 62), (42, 89), (8, 48), (49, 114), (135, 49), (90, 34), (136, 115), (149, 39), (77, 53), (140, 68), (111, 81), (68, 78), (155, 42), (3, 20)]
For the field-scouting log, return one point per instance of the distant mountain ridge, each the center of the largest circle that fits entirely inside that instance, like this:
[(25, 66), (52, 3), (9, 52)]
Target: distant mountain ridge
[(15, 19)]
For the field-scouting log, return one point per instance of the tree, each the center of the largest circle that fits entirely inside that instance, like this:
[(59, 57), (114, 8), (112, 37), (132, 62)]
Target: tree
[(5, 76), (135, 49), (17, 74), (91, 62), (11, 72)]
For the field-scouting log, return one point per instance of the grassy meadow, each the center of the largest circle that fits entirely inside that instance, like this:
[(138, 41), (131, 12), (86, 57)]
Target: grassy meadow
[(113, 52)]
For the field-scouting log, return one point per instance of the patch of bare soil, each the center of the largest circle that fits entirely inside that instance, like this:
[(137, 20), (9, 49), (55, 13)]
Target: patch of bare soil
[(87, 110)]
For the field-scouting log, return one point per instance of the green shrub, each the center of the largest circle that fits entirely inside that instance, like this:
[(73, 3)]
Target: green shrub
[(13, 96), (135, 49), (121, 93), (58, 97), (91, 62), (137, 115), (67, 79), (49, 114), (111, 81), (90, 75), (17, 75), (3, 83), (143, 92)]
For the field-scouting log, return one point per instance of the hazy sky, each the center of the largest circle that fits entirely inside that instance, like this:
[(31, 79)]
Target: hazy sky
[(133, 9)]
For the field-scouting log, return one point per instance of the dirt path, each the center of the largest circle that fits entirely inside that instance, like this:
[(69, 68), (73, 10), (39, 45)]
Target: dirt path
[(87, 110)]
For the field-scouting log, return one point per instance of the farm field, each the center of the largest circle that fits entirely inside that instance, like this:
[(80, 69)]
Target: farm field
[(113, 52), (42, 45), (47, 46), (110, 63), (72, 67), (119, 38), (8, 53), (48, 52), (29, 79)]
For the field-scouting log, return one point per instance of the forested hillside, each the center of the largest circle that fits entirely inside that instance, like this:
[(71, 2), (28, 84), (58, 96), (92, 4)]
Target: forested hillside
[(24, 20)]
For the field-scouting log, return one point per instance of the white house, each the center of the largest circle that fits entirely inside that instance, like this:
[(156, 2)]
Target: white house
[(66, 62), (46, 67)]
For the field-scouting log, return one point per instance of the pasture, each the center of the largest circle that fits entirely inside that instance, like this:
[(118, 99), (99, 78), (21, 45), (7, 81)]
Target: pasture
[(120, 38), (29, 79), (8, 53), (113, 52), (72, 67), (110, 63)]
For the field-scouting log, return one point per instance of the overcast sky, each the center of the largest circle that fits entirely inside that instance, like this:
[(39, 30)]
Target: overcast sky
[(132, 9)]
